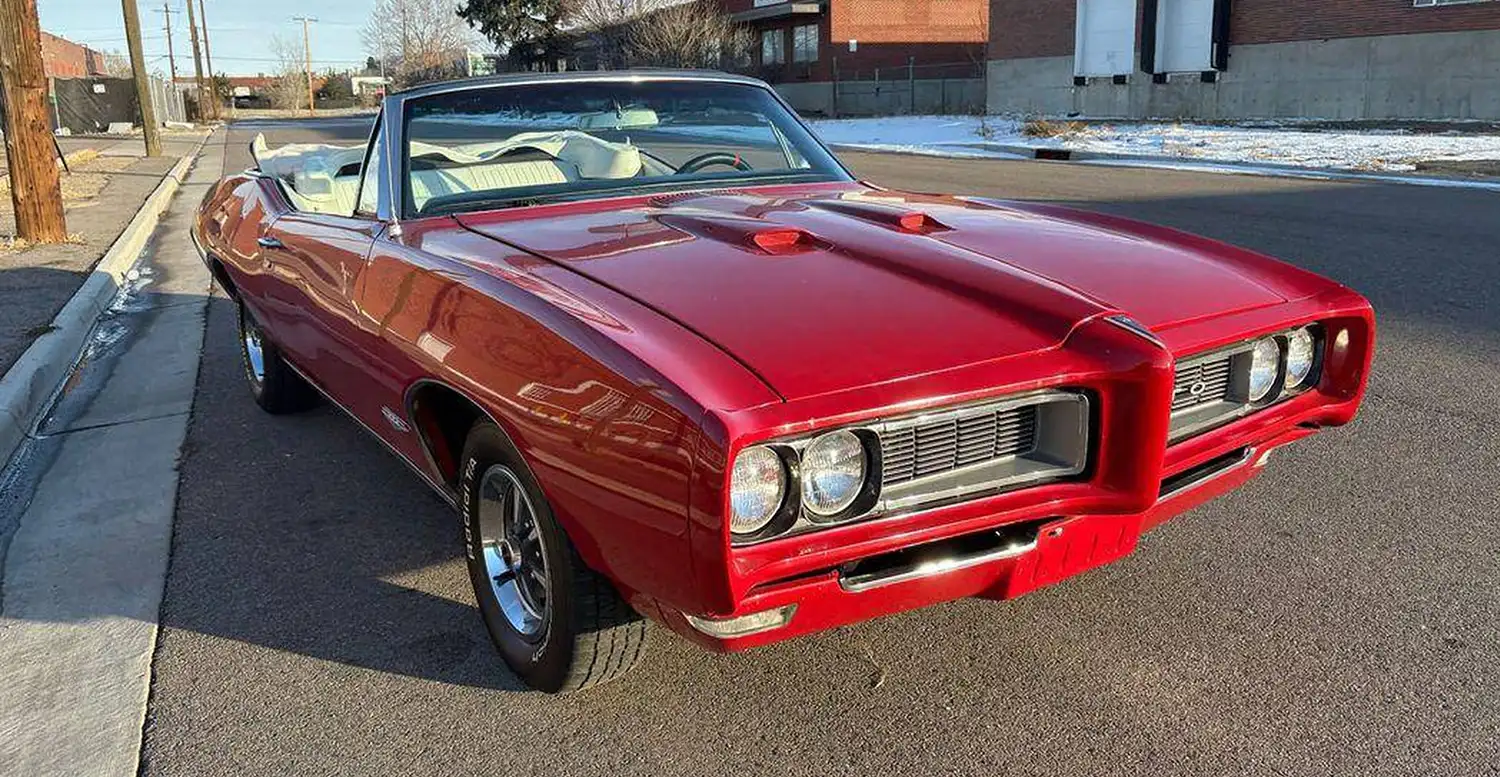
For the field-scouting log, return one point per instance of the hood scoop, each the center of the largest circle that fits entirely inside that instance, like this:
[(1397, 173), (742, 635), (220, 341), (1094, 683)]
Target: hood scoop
[(912, 221), (750, 234)]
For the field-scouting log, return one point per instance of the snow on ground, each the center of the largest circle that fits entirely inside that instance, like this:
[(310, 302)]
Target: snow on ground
[(1378, 151)]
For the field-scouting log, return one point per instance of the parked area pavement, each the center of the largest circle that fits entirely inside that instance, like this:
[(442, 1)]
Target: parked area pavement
[(102, 194), (1336, 616)]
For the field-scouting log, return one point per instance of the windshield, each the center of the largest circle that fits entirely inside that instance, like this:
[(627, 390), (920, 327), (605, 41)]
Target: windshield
[(501, 146)]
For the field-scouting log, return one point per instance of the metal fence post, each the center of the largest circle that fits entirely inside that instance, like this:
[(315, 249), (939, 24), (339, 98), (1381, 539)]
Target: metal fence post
[(835, 108), (911, 77)]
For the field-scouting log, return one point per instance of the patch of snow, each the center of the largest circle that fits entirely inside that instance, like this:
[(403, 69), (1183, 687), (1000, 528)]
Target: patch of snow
[(1269, 144)]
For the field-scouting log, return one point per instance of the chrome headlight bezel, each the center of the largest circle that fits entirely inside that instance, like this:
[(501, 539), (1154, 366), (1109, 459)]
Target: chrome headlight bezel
[(808, 472), (1265, 354), (1296, 339), (769, 459)]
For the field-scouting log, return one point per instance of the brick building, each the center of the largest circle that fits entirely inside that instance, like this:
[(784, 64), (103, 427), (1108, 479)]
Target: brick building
[(1336, 59), (805, 46), (62, 58)]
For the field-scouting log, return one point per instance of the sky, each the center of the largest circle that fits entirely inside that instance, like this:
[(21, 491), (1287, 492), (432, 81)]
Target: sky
[(239, 30)]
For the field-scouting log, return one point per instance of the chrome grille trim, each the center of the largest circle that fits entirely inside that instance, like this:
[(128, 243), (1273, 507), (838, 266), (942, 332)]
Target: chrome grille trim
[(1209, 390), (1203, 382), (946, 445), (985, 447)]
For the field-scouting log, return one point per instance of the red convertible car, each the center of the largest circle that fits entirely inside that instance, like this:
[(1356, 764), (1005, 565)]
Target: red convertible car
[(671, 361)]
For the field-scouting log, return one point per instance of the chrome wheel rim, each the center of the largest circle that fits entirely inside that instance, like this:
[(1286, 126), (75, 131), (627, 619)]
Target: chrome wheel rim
[(255, 355), (515, 557)]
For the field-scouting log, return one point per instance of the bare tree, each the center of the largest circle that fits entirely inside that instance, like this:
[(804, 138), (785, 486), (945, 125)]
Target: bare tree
[(411, 36), (604, 25), (697, 34), (289, 89), (117, 65)]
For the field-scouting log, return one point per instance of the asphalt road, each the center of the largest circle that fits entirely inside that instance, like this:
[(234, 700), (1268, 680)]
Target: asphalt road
[(1337, 616)]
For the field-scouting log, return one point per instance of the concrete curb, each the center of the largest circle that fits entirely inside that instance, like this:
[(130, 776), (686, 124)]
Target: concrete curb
[(26, 390)]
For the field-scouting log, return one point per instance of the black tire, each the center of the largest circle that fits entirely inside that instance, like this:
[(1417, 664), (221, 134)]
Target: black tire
[(586, 634), (276, 387)]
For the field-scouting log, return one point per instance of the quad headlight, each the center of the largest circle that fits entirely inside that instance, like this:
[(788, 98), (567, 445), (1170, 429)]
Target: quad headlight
[(757, 488), (1301, 353), (833, 473), (1265, 368)]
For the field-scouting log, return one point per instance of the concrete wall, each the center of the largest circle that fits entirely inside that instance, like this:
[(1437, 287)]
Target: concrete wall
[(887, 98), (1453, 75)]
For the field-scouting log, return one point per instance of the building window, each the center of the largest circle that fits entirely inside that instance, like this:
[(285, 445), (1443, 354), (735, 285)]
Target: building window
[(772, 47), (805, 43)]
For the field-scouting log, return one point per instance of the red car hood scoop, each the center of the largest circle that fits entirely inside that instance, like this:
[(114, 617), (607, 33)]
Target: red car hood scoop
[(852, 302)]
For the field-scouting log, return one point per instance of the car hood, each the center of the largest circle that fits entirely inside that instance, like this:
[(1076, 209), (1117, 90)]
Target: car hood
[(818, 291)]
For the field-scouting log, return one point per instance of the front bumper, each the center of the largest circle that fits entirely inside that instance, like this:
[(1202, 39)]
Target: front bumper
[(1026, 556)]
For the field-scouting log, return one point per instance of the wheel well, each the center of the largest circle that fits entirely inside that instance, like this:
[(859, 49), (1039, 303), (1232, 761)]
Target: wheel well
[(221, 276), (443, 418)]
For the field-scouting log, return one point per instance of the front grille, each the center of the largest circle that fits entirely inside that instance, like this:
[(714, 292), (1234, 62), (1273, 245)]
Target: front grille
[(1203, 382), (955, 443), (1210, 391), (966, 452)]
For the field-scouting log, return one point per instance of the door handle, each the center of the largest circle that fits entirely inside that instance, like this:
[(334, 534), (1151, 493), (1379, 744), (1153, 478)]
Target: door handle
[(269, 242)]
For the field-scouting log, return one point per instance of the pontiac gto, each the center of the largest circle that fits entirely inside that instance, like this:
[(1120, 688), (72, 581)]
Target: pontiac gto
[(670, 360)]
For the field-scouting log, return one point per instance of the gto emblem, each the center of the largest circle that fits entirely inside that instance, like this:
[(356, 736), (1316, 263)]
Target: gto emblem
[(395, 420), (1196, 390)]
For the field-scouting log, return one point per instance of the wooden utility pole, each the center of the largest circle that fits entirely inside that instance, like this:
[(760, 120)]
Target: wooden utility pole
[(307, 59), (149, 128), (208, 58), (171, 57), (197, 60), (34, 188)]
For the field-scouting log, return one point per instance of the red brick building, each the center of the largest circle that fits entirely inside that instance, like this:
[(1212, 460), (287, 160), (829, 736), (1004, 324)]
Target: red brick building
[(62, 58), (805, 46), (1336, 59)]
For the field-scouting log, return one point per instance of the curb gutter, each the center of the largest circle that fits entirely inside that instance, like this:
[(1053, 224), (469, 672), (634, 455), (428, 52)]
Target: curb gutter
[(26, 390)]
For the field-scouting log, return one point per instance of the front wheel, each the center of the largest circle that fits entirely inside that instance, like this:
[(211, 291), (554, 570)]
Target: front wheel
[(276, 387), (558, 624)]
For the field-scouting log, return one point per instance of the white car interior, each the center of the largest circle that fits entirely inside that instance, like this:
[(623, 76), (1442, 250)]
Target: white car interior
[(323, 178)]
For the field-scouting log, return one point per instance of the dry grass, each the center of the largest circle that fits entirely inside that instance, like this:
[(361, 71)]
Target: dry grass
[(10, 244), (1046, 128), (89, 174)]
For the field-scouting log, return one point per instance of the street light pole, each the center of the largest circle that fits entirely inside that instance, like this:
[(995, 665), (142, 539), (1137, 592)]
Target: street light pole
[(171, 57), (307, 58), (149, 129), (197, 58), (208, 58)]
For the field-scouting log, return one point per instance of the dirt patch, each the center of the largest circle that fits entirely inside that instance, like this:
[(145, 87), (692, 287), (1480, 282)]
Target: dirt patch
[(88, 173), (1483, 168)]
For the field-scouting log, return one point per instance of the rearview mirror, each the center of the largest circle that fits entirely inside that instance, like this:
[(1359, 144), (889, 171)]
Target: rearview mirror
[(624, 118)]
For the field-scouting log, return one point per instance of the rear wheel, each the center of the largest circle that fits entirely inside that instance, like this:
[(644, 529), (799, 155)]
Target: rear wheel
[(276, 387), (559, 625)]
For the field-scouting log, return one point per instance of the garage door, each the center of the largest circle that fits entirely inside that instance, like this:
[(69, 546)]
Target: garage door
[(1184, 36), (1105, 44)]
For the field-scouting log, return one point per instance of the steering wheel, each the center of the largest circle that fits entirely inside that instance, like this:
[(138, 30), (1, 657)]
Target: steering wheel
[(713, 158)]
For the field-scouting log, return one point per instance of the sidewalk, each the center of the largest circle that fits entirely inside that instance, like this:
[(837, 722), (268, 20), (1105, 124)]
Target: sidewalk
[(86, 512), (108, 190)]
